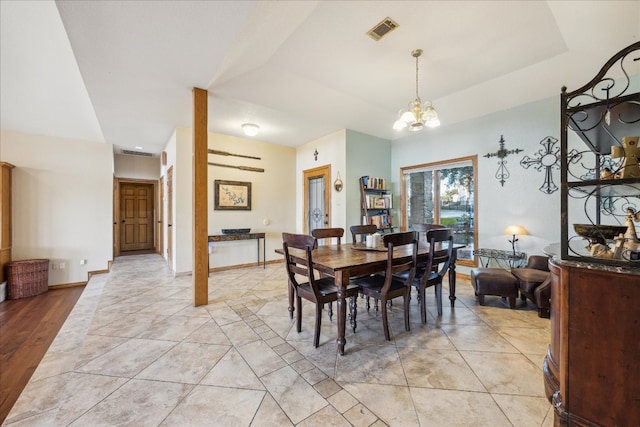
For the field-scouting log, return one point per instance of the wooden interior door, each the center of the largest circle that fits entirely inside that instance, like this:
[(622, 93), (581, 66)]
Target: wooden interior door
[(136, 216), (169, 217), (317, 198)]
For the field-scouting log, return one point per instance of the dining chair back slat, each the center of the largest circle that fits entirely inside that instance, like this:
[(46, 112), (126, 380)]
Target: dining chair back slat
[(326, 234), (358, 232)]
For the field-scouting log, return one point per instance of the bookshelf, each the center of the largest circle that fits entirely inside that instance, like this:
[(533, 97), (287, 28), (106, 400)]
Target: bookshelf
[(376, 203)]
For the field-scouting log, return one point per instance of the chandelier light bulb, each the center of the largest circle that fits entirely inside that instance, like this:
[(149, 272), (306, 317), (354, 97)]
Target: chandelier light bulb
[(399, 124), (431, 117), (408, 117)]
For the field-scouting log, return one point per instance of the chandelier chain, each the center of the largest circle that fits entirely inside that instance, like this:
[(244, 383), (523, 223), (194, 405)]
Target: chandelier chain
[(417, 96), (416, 116)]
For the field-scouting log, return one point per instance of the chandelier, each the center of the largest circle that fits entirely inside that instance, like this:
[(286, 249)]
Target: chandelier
[(417, 115)]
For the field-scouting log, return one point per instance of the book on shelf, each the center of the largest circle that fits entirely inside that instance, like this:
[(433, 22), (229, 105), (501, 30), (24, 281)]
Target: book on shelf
[(380, 221), (378, 202), (388, 201), (373, 183)]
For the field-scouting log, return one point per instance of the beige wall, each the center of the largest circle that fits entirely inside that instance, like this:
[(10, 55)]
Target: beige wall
[(273, 198), (136, 167), (62, 202), (179, 150), (331, 151)]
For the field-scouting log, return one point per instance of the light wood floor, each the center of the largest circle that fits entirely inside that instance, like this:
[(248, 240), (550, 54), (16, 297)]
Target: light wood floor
[(27, 328)]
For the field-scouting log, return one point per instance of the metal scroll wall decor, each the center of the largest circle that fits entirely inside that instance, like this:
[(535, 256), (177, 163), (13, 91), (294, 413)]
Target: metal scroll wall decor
[(548, 158), (502, 173)]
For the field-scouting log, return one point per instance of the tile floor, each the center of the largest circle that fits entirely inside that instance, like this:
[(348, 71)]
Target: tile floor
[(134, 351)]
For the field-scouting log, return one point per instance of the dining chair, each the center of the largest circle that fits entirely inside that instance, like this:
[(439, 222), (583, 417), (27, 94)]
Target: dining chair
[(319, 291), (421, 229), (359, 231), (384, 287), (424, 227), (328, 233), (433, 271)]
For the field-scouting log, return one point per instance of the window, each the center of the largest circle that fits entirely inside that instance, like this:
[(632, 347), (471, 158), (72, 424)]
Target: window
[(443, 193)]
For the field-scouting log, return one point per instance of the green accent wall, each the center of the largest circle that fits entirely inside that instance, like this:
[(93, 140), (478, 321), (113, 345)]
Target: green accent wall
[(365, 155)]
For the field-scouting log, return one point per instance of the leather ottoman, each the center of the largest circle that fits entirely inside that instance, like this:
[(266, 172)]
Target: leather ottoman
[(494, 281)]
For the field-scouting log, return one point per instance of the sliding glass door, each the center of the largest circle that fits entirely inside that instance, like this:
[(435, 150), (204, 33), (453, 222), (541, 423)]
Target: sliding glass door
[(443, 193)]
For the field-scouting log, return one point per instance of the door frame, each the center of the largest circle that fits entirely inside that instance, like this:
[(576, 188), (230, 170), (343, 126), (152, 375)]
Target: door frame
[(117, 220), (160, 225), (320, 171)]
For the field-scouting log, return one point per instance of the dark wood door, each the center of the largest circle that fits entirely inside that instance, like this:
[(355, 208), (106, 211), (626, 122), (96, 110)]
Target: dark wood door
[(136, 214)]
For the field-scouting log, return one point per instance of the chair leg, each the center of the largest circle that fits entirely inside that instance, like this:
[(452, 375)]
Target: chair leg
[(385, 321), (316, 335), (512, 302), (353, 313), (439, 298), (407, 298), (299, 314), (423, 304), (367, 303), (330, 310), (291, 291)]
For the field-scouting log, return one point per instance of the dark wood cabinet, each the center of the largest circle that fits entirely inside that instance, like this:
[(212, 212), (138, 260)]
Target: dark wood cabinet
[(592, 367)]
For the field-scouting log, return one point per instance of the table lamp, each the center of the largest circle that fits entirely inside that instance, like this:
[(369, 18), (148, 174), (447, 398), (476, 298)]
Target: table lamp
[(515, 230)]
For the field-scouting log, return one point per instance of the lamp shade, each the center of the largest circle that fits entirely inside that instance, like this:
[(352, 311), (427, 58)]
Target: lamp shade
[(515, 230)]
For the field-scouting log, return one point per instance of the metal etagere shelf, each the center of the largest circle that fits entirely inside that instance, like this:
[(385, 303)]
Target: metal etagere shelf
[(603, 113)]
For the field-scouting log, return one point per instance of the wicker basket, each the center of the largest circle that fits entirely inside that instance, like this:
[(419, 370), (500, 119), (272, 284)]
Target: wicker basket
[(27, 278)]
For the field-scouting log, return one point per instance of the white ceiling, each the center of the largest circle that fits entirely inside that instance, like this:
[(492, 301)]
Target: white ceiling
[(122, 72)]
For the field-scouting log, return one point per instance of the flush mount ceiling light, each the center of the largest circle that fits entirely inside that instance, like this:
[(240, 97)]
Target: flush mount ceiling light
[(250, 129), (417, 115)]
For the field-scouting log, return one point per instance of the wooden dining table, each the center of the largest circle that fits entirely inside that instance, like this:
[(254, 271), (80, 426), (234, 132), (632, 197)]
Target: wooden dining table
[(347, 260)]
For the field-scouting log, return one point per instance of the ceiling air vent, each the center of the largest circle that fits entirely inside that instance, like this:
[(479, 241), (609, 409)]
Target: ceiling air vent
[(137, 153), (383, 28)]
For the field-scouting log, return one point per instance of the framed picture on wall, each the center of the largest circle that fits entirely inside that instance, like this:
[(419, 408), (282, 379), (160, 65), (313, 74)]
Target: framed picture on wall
[(231, 195)]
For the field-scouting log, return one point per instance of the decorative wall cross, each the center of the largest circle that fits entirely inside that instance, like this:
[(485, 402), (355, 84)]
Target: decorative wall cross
[(502, 173), (315, 155), (547, 157)]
